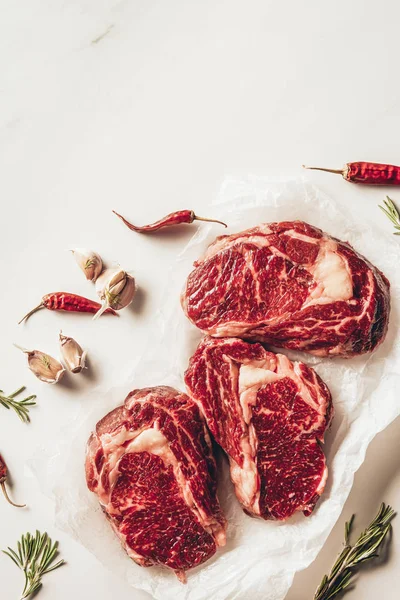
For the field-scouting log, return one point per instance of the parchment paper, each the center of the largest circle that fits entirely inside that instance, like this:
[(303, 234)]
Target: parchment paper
[(260, 558)]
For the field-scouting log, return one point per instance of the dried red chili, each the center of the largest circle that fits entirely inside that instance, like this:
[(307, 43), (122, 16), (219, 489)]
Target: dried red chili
[(67, 302), (365, 172), (175, 218), (3, 477)]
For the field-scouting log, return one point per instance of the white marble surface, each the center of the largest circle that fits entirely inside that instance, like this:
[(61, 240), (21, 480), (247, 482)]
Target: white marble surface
[(150, 118)]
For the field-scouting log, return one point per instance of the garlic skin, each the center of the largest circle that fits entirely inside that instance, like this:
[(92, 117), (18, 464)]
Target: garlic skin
[(89, 261), (72, 353), (116, 289), (43, 366)]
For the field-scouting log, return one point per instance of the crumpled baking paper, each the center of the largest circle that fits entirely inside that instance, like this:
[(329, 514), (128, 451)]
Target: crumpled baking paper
[(261, 557)]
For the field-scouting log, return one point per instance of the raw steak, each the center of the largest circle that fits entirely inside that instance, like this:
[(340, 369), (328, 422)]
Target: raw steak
[(269, 415), (290, 285), (151, 465)]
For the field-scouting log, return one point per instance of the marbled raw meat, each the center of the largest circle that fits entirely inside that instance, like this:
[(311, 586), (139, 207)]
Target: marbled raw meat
[(269, 415), (151, 465), (289, 285)]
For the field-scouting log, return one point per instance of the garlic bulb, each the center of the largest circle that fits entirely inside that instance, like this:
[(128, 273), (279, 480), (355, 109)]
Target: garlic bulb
[(116, 289), (90, 262), (45, 367), (73, 355)]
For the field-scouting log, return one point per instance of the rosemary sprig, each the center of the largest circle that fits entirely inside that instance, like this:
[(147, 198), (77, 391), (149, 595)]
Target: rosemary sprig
[(35, 556), (21, 407), (364, 549), (392, 213)]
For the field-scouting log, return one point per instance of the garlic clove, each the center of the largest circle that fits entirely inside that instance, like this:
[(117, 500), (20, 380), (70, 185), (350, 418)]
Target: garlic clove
[(125, 296), (104, 279), (72, 353), (89, 261), (116, 288), (43, 366)]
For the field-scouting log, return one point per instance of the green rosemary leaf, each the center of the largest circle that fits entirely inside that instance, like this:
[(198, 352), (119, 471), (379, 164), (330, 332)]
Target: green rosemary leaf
[(365, 548), (322, 585), (347, 529), (367, 558), (18, 391), (338, 564), (342, 585), (21, 407), (21, 551), (13, 557), (391, 211), (36, 558), (388, 214), (60, 562), (31, 589)]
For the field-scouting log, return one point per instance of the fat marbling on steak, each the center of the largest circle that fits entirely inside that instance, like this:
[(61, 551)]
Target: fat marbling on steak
[(269, 415), (289, 285), (151, 465)]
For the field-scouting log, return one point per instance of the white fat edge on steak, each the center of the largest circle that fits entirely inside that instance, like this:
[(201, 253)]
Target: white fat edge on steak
[(251, 378), (151, 440), (210, 523), (332, 276), (343, 346), (322, 482), (255, 236), (246, 478)]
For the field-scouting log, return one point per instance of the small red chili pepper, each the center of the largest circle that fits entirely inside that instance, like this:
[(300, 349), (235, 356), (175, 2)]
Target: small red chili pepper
[(175, 218), (3, 477), (365, 172), (68, 302)]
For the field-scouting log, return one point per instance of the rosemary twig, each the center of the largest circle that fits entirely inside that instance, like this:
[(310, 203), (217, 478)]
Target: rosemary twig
[(21, 407), (35, 556), (392, 213), (364, 549)]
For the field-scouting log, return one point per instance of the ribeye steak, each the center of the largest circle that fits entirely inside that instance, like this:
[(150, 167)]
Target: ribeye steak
[(269, 415), (151, 465), (290, 285)]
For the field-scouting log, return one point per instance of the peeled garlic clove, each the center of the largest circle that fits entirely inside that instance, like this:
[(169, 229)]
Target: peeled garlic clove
[(45, 367), (90, 262), (73, 355), (116, 288)]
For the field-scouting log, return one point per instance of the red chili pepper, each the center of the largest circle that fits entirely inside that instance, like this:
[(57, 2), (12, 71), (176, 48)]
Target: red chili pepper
[(365, 172), (68, 302), (175, 218), (3, 477)]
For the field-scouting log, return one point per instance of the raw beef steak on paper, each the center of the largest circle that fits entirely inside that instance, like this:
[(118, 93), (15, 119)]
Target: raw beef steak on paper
[(151, 465), (270, 416), (290, 285)]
